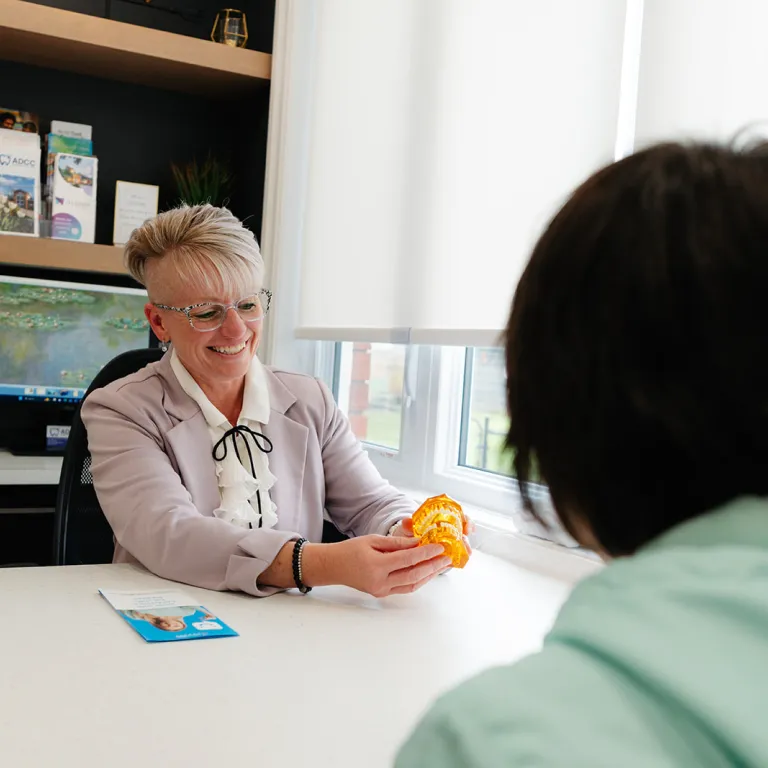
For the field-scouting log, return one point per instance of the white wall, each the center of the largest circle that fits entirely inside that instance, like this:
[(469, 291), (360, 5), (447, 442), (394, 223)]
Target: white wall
[(703, 69)]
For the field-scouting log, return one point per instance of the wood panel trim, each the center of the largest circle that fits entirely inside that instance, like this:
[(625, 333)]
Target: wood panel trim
[(76, 42), (61, 254)]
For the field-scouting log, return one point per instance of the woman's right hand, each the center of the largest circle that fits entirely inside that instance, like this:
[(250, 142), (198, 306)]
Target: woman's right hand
[(378, 565)]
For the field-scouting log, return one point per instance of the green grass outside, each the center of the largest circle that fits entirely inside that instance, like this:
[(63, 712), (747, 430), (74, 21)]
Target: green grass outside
[(384, 429), (496, 460)]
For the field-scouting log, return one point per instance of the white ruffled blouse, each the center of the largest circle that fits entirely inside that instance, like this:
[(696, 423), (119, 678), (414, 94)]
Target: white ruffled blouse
[(237, 487)]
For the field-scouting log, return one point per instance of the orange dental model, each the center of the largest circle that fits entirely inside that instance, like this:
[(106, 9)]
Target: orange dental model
[(440, 520)]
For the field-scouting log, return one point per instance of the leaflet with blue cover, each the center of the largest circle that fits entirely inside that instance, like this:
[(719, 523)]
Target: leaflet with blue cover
[(161, 616)]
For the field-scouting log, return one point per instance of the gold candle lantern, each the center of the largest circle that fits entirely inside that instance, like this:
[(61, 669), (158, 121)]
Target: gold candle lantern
[(230, 28)]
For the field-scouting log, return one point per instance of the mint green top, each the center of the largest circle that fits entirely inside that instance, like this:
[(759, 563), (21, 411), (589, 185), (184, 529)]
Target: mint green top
[(658, 660)]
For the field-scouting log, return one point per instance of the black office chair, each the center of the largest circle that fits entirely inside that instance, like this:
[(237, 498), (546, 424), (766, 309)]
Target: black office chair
[(82, 534), (331, 534)]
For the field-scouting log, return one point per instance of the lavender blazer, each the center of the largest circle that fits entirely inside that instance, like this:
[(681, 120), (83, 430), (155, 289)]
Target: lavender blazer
[(156, 481)]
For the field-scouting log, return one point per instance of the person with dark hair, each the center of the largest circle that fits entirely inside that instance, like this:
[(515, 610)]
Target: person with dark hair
[(638, 391), (7, 120)]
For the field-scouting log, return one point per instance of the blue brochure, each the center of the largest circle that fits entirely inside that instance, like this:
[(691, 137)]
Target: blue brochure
[(166, 615)]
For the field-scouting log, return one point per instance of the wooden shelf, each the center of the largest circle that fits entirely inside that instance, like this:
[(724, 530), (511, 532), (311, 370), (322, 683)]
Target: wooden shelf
[(61, 254), (49, 37)]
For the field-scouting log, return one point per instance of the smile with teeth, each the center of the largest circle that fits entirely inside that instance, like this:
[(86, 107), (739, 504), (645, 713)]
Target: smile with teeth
[(229, 350)]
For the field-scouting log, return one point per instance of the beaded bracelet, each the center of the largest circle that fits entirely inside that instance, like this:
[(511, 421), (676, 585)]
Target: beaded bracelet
[(297, 574)]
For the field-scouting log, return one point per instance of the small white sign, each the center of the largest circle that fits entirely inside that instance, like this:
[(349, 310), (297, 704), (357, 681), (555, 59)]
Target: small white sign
[(56, 432), (134, 204), (72, 130), (56, 437)]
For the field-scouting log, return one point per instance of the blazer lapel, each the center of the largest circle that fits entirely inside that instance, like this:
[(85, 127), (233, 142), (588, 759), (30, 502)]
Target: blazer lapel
[(286, 462), (190, 444), (289, 453)]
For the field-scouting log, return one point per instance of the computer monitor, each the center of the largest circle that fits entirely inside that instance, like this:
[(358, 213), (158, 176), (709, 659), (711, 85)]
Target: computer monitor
[(57, 330)]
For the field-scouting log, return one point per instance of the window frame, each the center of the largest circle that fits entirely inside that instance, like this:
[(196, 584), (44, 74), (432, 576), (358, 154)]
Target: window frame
[(488, 490), (465, 425), (428, 458)]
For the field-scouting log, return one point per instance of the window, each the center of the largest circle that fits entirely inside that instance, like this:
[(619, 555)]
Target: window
[(484, 421), (433, 419), (370, 391)]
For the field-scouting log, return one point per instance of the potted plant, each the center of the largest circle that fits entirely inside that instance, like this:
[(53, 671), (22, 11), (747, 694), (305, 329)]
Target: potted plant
[(206, 182)]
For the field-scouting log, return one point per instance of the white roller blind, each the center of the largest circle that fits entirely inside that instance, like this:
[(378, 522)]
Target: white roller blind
[(702, 69), (443, 134)]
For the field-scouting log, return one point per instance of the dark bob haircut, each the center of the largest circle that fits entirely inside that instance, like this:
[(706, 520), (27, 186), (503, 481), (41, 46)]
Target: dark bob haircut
[(636, 346)]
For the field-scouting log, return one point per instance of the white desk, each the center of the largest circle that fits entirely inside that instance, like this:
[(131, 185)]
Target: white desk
[(29, 470), (334, 678)]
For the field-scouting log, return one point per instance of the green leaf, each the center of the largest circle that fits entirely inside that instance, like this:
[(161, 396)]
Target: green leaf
[(206, 182)]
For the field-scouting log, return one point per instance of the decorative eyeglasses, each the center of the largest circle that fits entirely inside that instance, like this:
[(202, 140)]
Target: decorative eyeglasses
[(210, 317)]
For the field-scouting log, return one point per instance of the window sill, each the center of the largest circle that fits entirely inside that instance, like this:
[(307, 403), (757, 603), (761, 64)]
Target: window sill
[(499, 536)]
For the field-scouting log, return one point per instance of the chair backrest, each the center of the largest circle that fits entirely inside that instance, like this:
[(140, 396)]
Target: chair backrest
[(82, 534)]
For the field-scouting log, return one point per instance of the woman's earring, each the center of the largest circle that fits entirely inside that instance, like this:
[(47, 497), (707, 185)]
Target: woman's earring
[(164, 345)]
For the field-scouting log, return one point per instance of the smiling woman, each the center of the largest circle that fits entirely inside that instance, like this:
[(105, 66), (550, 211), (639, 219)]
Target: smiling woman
[(210, 316), (215, 470)]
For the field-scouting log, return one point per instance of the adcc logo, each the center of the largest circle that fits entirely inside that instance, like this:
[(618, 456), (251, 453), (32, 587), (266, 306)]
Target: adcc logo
[(11, 160)]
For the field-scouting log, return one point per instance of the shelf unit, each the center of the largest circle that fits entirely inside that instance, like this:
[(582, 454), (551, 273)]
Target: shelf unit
[(61, 254), (50, 37), (42, 36)]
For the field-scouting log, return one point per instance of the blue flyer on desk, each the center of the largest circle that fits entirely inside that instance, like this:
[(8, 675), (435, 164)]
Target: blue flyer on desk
[(166, 615)]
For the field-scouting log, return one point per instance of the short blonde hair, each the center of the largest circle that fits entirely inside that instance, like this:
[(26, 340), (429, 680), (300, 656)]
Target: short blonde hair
[(209, 246)]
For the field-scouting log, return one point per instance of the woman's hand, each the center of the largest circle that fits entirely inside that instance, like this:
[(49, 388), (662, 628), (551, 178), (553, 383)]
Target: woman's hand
[(405, 528), (378, 565)]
